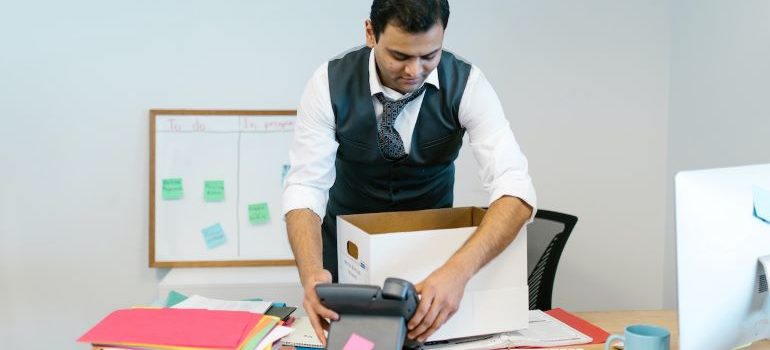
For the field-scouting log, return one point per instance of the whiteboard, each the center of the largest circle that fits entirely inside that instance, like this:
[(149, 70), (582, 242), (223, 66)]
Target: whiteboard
[(208, 169)]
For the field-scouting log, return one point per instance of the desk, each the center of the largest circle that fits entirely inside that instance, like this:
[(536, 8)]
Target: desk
[(616, 321)]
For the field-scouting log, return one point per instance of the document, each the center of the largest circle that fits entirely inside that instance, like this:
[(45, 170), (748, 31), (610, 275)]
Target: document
[(544, 331), (200, 302)]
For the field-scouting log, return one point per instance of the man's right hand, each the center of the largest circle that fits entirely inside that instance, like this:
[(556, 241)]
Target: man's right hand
[(316, 312)]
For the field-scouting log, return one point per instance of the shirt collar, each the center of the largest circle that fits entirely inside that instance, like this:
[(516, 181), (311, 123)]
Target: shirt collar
[(375, 86)]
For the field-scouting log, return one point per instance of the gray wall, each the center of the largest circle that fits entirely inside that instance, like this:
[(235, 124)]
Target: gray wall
[(720, 94), (584, 84)]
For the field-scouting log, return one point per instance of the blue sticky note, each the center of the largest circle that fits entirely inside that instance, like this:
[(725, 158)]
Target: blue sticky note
[(762, 204), (284, 172), (214, 236)]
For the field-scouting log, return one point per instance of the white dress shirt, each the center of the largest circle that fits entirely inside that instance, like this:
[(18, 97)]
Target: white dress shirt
[(502, 167)]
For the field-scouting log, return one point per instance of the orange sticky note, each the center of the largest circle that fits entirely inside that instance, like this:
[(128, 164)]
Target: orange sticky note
[(357, 342)]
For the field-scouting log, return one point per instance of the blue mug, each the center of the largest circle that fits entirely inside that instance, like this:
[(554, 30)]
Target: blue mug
[(642, 337)]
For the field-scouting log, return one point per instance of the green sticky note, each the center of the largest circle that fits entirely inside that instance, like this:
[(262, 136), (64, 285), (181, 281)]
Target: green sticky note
[(172, 189), (174, 298), (259, 213), (214, 190)]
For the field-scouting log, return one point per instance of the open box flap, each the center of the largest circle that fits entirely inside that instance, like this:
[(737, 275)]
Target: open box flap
[(410, 221)]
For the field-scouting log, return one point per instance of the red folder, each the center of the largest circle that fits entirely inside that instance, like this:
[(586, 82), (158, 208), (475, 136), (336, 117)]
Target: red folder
[(599, 335)]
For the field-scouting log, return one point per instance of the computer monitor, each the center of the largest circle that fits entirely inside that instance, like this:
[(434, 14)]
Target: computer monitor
[(722, 290)]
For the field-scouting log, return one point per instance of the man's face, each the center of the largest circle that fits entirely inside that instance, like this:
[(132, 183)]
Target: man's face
[(404, 60)]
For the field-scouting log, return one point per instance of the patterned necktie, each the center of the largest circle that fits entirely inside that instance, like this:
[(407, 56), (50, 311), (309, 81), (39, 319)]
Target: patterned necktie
[(388, 138)]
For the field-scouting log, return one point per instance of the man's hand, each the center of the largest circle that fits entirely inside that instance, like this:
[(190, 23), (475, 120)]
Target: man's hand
[(440, 296), (442, 291), (316, 312)]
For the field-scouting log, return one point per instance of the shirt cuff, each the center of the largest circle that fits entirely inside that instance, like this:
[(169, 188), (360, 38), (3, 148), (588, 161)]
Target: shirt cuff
[(304, 197), (522, 189)]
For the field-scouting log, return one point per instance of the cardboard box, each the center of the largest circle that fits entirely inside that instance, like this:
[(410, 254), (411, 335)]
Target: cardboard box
[(410, 245)]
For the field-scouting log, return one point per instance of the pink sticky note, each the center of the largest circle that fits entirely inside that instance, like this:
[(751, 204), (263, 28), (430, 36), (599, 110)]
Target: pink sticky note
[(357, 342)]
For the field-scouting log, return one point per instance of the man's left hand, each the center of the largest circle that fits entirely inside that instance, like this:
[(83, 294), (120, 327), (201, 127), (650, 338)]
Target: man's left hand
[(440, 296)]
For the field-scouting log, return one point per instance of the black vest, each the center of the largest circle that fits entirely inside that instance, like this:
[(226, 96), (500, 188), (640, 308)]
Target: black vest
[(366, 182)]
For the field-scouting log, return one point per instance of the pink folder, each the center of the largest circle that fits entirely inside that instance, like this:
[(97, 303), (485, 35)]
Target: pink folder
[(179, 327)]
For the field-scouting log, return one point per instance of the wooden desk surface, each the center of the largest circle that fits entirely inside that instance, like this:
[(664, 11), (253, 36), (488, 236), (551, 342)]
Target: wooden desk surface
[(616, 321)]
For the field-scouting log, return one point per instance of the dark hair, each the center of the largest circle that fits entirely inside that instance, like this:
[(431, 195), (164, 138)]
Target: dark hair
[(413, 16)]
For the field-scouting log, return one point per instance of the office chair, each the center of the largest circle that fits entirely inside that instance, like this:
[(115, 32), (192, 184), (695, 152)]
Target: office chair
[(546, 237)]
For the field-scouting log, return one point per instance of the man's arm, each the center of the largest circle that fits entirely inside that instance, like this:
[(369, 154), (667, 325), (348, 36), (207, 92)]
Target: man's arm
[(304, 229), (306, 190), (503, 171), (442, 291)]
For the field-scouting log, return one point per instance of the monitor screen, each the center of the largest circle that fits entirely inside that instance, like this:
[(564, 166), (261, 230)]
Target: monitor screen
[(722, 290)]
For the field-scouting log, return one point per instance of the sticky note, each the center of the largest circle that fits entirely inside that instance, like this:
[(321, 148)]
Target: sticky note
[(214, 190), (762, 203), (214, 236), (357, 342), (259, 213), (174, 298), (172, 189), (284, 172)]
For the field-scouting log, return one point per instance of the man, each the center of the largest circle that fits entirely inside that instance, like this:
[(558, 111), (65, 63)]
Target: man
[(378, 129)]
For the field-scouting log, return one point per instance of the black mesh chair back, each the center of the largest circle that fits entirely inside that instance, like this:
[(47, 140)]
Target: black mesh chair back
[(546, 237)]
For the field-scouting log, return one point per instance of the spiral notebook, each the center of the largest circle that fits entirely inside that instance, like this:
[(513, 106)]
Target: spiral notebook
[(303, 335)]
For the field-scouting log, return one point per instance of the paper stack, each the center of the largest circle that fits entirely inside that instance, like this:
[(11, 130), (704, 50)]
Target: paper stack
[(553, 328), (198, 323), (185, 329)]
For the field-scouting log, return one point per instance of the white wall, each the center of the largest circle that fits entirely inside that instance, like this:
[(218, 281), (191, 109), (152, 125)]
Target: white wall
[(586, 90), (720, 94), (78, 78), (585, 85)]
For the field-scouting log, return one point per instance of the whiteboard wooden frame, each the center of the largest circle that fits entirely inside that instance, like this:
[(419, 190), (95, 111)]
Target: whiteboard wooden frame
[(154, 113)]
